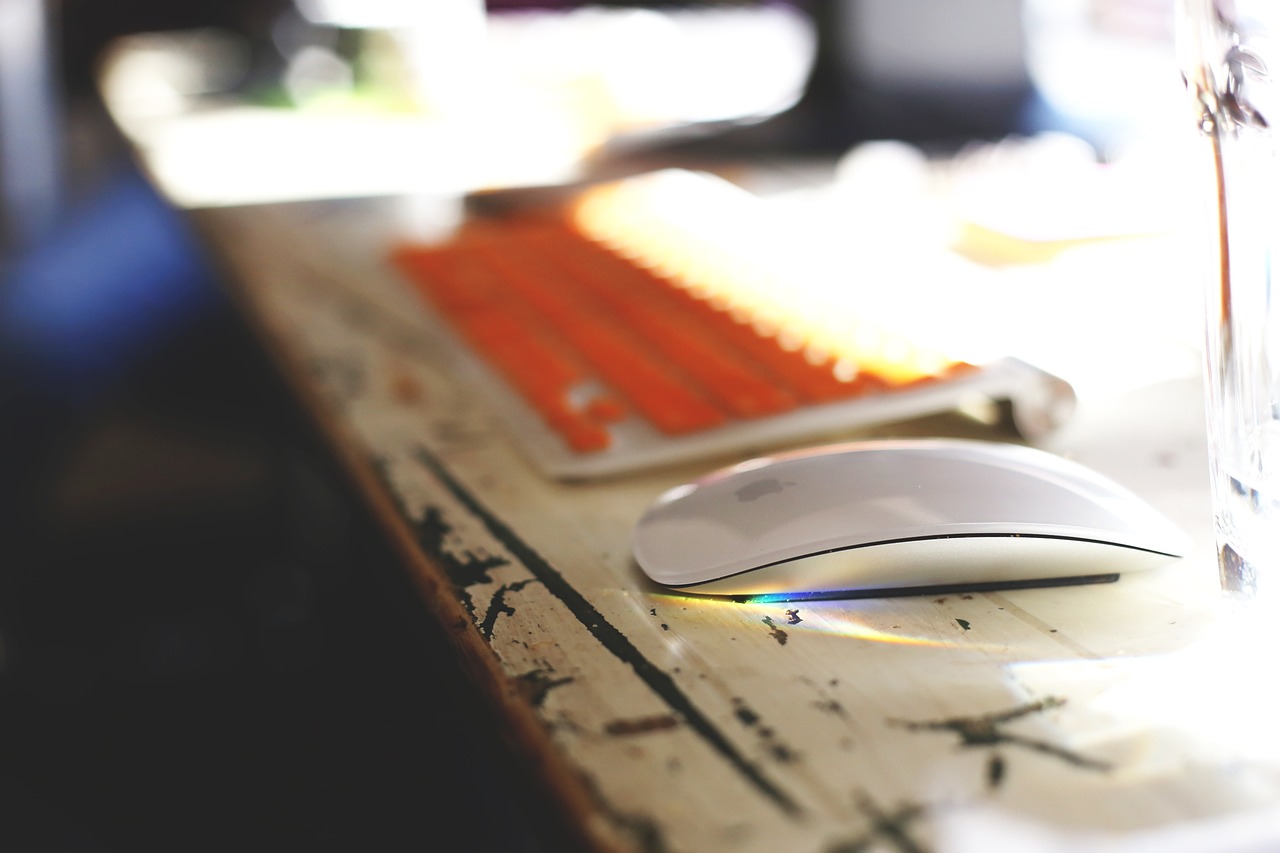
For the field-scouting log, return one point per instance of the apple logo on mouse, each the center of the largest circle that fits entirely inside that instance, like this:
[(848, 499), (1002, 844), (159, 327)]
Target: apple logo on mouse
[(759, 488)]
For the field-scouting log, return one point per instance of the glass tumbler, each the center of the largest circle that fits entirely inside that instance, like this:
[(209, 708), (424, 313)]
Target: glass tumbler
[(1229, 56)]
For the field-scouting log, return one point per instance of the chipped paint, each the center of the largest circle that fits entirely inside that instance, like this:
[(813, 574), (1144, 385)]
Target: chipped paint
[(714, 742), (642, 725), (986, 730), (609, 636), (889, 829)]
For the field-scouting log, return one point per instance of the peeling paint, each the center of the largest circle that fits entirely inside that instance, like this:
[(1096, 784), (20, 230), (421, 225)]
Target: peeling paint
[(498, 606), (986, 731), (889, 829), (609, 637), (745, 714), (536, 684), (466, 569)]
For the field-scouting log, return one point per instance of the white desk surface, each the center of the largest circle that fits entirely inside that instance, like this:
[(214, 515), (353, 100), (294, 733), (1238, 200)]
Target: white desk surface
[(1116, 716)]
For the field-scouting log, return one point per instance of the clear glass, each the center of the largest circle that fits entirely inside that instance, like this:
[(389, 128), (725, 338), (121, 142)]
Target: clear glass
[(1229, 55)]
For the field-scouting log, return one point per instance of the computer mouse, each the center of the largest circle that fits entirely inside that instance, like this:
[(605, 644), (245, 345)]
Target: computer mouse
[(874, 517)]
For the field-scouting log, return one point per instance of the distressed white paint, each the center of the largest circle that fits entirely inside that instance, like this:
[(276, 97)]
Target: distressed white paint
[(817, 701)]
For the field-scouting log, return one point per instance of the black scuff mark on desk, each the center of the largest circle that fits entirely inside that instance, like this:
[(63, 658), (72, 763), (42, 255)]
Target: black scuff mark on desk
[(751, 719), (776, 632), (831, 706), (498, 606), (644, 831), (964, 623), (995, 770), (610, 637), (890, 828), (828, 704), (536, 684), (985, 731), (641, 725), (464, 571)]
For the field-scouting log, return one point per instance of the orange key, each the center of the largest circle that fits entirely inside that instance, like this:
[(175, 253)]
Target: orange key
[(538, 368), (744, 391), (664, 398)]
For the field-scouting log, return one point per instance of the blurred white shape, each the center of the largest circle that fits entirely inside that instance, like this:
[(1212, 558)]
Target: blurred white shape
[(160, 74), (316, 70), (392, 14), (1106, 66), (483, 101), (990, 829), (650, 68)]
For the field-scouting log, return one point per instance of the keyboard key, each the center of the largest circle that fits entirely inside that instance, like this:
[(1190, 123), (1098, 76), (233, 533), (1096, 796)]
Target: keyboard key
[(632, 350)]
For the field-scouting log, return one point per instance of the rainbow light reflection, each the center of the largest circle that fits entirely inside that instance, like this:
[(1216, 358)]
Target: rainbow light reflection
[(844, 617)]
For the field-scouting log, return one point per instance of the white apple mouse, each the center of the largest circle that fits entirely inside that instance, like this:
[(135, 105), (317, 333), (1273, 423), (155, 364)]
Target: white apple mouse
[(902, 515)]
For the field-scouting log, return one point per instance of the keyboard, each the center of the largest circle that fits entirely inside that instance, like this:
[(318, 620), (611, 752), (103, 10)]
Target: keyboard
[(656, 319)]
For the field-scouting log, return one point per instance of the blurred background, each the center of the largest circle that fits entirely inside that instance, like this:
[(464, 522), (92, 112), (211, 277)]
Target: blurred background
[(194, 644)]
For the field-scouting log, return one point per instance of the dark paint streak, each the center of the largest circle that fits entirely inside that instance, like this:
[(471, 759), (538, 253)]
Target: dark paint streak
[(537, 684), (995, 770), (644, 831), (641, 725), (609, 637), (431, 532), (831, 706), (984, 731), (888, 828), (498, 606), (749, 718)]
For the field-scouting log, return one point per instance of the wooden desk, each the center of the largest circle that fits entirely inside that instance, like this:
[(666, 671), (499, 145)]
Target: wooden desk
[(659, 722)]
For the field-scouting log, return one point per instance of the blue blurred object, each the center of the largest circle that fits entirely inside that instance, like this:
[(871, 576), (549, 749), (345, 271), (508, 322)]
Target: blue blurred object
[(120, 277)]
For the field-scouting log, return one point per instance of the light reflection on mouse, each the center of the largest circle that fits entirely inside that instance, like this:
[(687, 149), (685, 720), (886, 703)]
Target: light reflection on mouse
[(898, 516)]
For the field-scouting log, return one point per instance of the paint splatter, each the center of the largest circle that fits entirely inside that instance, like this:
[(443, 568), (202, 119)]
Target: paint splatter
[(986, 731), (498, 607), (641, 725), (889, 829)]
